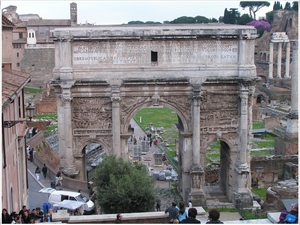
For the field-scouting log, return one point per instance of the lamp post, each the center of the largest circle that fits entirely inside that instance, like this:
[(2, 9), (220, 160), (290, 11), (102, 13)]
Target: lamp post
[(30, 111)]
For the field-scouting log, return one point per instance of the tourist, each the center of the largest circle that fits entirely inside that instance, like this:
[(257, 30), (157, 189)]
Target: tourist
[(57, 176), (190, 204), (213, 216), (21, 213), (25, 218), (37, 173), (192, 216), (31, 155), (289, 216), (158, 204), (183, 212), (5, 216), (44, 170), (119, 218), (173, 212), (16, 219), (30, 132)]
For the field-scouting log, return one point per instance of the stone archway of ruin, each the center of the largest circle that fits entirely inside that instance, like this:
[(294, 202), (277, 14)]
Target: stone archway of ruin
[(104, 74)]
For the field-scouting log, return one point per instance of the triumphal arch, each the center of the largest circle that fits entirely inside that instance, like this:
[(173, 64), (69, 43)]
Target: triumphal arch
[(103, 75)]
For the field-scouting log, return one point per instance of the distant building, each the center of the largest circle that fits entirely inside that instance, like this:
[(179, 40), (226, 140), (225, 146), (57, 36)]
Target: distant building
[(14, 159), (33, 47)]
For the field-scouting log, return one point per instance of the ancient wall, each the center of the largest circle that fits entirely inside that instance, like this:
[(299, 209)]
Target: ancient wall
[(268, 170), (40, 60), (271, 121)]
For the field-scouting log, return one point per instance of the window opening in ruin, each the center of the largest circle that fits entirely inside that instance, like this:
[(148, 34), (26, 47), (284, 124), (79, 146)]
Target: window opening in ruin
[(17, 54), (153, 57), (32, 35), (29, 35), (18, 64), (20, 35)]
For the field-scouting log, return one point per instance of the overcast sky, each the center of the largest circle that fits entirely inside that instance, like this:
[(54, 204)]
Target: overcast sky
[(123, 11)]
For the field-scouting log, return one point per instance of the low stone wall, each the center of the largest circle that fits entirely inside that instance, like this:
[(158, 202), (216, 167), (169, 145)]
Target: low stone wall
[(128, 218)]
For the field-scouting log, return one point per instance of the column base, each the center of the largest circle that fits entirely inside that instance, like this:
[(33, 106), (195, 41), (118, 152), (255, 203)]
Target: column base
[(198, 198), (242, 199), (70, 171)]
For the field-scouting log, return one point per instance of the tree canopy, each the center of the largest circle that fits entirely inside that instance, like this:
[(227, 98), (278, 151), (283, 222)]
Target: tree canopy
[(254, 6), (123, 187)]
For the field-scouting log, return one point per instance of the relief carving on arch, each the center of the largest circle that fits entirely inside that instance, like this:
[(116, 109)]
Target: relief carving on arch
[(219, 110), (92, 113), (129, 104)]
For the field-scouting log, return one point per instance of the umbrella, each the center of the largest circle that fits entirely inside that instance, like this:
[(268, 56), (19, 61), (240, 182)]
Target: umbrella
[(47, 190), (69, 204)]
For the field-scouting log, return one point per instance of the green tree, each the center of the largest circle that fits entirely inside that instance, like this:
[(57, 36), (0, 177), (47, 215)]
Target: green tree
[(234, 15), (277, 6), (295, 6), (270, 16), (254, 6), (244, 19), (226, 18), (201, 19), (184, 19), (287, 6), (136, 22), (123, 187)]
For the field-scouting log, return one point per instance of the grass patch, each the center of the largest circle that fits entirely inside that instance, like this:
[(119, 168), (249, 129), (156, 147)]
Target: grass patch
[(32, 90), (257, 125), (261, 192), (261, 153), (159, 117), (51, 116), (224, 209)]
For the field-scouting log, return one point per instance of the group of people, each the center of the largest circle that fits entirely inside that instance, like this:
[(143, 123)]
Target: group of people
[(183, 214), (26, 216), (32, 131), (29, 152), (38, 172)]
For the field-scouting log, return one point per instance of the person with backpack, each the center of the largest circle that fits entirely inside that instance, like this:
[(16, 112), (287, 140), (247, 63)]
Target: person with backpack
[(173, 212), (289, 216)]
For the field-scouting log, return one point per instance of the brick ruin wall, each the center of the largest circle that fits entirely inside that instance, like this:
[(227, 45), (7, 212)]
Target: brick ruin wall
[(269, 170)]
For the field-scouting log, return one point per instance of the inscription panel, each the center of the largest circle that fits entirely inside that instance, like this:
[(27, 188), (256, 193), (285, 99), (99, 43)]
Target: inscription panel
[(168, 52)]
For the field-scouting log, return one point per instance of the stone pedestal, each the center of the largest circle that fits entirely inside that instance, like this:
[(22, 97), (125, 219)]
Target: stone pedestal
[(197, 193)]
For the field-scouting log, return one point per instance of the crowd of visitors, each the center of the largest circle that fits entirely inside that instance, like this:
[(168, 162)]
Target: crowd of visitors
[(26, 216)]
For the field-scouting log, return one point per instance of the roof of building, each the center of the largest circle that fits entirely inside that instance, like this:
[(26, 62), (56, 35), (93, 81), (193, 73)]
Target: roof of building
[(261, 130), (6, 22), (12, 83), (49, 23)]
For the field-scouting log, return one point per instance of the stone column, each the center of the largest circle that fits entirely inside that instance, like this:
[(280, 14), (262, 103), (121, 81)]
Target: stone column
[(294, 96), (197, 194), (68, 167), (116, 121), (271, 61), (243, 126), (292, 121), (196, 125), (287, 60), (279, 60)]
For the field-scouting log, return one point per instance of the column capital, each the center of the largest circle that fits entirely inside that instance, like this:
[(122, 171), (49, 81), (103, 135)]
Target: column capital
[(115, 93)]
